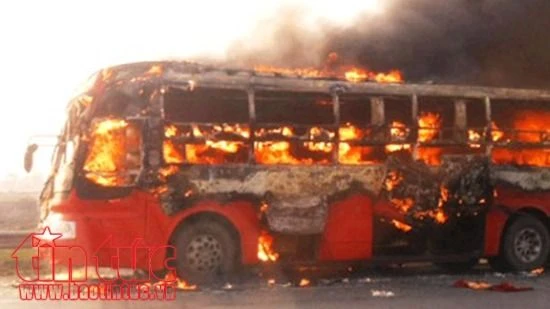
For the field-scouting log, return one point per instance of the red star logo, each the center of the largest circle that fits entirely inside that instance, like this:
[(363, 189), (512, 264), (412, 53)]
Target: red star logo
[(47, 237)]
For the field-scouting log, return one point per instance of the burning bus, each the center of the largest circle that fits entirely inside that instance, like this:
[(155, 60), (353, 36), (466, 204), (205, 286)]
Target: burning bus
[(236, 167)]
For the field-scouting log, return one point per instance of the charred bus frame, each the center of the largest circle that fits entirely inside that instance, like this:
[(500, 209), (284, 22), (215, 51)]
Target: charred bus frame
[(145, 88)]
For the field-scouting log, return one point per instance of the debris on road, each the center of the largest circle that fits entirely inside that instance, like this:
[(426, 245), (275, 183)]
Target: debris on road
[(364, 280), (485, 286), (536, 272), (382, 293)]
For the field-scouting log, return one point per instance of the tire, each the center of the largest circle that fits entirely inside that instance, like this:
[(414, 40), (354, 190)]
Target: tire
[(206, 252), (525, 246), (458, 267)]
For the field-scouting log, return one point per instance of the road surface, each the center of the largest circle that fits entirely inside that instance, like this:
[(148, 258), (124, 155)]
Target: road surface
[(423, 287)]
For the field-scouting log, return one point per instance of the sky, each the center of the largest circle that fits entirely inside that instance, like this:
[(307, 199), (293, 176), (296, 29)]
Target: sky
[(50, 47)]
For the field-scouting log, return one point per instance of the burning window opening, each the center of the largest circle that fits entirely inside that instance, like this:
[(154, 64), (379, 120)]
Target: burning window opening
[(226, 143), (114, 152)]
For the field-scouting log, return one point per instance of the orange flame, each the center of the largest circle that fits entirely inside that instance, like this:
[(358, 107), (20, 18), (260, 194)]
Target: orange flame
[(392, 180), (401, 226), (171, 153), (107, 154), (350, 154), (281, 152), (532, 128), (304, 282), (155, 70), (265, 248), (214, 151), (181, 284), (399, 132), (332, 70), (168, 170), (429, 125), (440, 216), (496, 134), (403, 204)]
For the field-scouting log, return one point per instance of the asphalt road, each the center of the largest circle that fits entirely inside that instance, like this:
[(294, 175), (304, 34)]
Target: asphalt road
[(419, 287)]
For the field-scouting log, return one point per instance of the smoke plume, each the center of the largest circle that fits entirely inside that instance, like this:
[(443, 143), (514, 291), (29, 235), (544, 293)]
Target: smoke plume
[(483, 42)]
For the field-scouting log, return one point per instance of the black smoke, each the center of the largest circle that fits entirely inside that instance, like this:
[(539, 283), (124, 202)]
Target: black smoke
[(482, 42)]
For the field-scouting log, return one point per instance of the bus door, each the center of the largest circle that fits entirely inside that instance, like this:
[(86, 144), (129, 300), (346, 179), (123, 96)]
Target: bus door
[(106, 187)]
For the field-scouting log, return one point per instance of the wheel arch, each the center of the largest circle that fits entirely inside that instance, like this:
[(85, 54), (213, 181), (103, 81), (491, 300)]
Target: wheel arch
[(503, 261), (499, 220), (527, 210), (208, 216), (240, 217)]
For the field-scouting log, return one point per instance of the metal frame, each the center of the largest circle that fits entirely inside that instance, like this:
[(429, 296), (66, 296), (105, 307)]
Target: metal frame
[(377, 103)]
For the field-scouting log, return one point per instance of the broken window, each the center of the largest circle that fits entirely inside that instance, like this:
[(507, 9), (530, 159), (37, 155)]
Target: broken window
[(206, 105), (206, 126), (114, 152), (399, 123), (476, 118), (355, 130), (520, 132), (293, 128), (435, 127)]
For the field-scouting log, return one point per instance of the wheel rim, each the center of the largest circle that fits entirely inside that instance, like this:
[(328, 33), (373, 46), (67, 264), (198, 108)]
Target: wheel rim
[(204, 254), (528, 245)]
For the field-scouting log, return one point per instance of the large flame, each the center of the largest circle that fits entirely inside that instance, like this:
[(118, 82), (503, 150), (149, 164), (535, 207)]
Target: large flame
[(171, 154), (281, 145), (107, 152), (429, 125), (532, 128), (349, 154), (333, 70)]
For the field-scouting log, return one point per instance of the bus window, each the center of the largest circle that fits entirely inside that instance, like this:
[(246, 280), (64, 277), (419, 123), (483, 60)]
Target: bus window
[(476, 127), (435, 125), (355, 131), (399, 123), (206, 126), (205, 105), (519, 132), (114, 152), (294, 128)]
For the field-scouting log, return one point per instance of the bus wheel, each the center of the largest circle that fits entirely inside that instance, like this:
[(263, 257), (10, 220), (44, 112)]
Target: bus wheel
[(205, 252), (458, 267), (525, 246)]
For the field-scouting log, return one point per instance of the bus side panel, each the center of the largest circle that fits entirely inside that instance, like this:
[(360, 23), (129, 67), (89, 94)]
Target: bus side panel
[(348, 231), (510, 200), (241, 214), (494, 226)]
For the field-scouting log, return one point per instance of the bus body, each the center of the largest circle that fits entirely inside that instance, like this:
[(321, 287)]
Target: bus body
[(234, 167)]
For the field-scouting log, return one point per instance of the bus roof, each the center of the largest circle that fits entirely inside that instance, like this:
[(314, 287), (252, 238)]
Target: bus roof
[(174, 73)]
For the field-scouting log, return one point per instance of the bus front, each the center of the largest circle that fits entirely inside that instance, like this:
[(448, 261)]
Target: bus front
[(94, 196)]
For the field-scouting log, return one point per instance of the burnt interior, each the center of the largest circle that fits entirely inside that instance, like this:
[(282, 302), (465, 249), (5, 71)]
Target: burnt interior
[(276, 107), (205, 105), (522, 125)]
